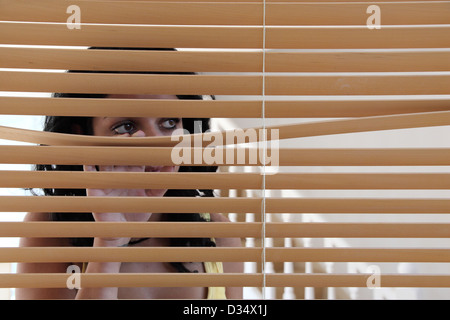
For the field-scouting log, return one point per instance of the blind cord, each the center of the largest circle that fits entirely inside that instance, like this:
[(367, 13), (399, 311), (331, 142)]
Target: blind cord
[(263, 105)]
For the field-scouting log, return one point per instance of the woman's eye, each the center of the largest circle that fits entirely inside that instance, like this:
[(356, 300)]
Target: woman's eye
[(123, 128), (170, 123)]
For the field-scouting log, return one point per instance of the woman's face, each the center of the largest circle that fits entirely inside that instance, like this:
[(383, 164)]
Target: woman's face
[(138, 127)]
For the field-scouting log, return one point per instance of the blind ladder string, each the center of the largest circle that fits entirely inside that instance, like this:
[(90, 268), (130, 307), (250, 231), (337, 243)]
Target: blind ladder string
[(263, 105)]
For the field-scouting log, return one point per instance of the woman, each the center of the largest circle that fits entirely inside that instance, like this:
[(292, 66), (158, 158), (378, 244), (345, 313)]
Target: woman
[(128, 127)]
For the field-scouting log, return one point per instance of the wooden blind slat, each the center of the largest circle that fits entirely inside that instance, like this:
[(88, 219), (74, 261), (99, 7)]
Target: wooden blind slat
[(222, 180), (121, 12), (231, 13), (240, 136), (226, 37), (224, 85), (394, 61), (135, 229), (358, 230), (59, 280), (224, 229), (357, 84), (350, 205), (288, 156), (131, 36), (357, 254), (375, 123), (130, 60), (275, 1), (213, 205), (356, 280), (220, 108), (173, 254), (146, 107), (391, 37), (351, 108), (55, 280), (156, 254), (223, 61), (395, 13), (129, 83)]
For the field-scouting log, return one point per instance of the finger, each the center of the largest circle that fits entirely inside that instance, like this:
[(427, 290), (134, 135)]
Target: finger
[(98, 168), (90, 168)]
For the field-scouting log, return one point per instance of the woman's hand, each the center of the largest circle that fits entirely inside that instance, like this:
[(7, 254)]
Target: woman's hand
[(117, 216), (118, 193)]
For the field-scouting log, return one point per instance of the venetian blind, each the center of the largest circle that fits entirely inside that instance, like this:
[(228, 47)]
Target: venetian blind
[(301, 69)]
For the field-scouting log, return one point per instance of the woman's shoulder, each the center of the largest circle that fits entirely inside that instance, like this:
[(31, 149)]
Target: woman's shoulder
[(218, 217), (39, 241), (47, 267), (37, 216), (225, 242)]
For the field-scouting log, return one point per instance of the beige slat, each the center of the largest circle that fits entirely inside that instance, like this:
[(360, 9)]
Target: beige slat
[(237, 136), (224, 229), (364, 205), (319, 1), (365, 124), (274, 1), (351, 108), (357, 84), (147, 180), (129, 83), (143, 12), (156, 254), (162, 156), (219, 108), (391, 37), (357, 181), (222, 180), (133, 229), (130, 60), (372, 84), (357, 255), (55, 280), (369, 61), (106, 204), (313, 13), (226, 13), (223, 61), (228, 37), (359, 230), (220, 205), (131, 36), (173, 254), (147, 107), (356, 280), (270, 1)]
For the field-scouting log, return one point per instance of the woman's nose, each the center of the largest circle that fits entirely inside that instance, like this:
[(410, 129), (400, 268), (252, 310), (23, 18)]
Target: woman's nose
[(138, 133), (147, 132)]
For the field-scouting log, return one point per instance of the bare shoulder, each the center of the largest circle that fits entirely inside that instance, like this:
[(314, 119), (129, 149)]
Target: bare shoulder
[(225, 242), (30, 267), (230, 267), (41, 242), (37, 216), (217, 217)]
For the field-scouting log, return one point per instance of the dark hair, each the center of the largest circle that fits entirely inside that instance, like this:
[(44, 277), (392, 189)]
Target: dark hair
[(65, 124)]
